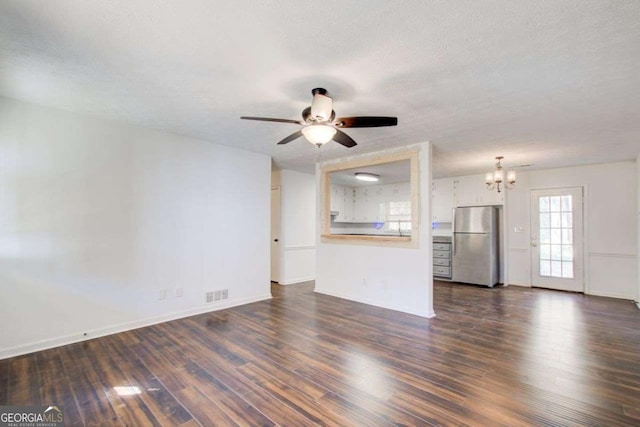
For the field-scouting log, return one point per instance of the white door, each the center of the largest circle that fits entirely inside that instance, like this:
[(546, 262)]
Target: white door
[(275, 234), (557, 239)]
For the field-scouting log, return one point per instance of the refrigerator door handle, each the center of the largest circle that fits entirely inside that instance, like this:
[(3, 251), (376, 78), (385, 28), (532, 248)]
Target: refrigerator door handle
[(453, 232)]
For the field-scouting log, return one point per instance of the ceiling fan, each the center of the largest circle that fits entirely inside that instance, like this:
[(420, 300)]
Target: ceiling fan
[(321, 126)]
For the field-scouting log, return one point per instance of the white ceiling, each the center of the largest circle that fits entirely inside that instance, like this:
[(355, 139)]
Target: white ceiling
[(546, 82)]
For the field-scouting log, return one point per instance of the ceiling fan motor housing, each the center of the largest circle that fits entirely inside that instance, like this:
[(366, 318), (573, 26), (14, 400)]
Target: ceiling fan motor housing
[(322, 105)]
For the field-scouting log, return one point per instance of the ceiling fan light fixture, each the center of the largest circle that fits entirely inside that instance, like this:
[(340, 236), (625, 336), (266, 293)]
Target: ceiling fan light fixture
[(366, 176), (319, 134)]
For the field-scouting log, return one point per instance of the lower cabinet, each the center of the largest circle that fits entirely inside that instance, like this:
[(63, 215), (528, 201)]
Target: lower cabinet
[(442, 260)]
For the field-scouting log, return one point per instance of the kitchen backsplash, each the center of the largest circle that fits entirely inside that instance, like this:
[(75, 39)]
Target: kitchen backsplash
[(441, 229), (358, 228)]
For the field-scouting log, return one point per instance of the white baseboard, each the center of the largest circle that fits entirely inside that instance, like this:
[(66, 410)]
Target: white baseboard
[(608, 295), (375, 303), (638, 304), (122, 327), (523, 285)]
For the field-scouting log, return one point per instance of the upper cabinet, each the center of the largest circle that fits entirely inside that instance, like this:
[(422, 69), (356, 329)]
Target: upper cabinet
[(366, 204), (342, 202), (361, 211), (448, 193), (471, 190), (442, 200)]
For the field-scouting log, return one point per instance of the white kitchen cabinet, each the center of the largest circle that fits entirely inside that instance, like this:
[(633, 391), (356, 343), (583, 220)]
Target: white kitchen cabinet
[(342, 202), (398, 192), (336, 198), (442, 191), (472, 191), (337, 201), (359, 201), (348, 194), (376, 204), (365, 204)]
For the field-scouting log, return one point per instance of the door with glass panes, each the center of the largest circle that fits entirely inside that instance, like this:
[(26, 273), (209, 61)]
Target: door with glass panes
[(557, 239)]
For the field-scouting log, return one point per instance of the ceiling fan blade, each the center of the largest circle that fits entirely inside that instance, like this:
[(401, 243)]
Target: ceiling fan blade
[(366, 122), (291, 137), (344, 139), (267, 119)]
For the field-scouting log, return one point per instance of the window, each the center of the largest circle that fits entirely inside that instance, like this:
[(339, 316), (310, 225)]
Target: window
[(399, 217), (556, 236)]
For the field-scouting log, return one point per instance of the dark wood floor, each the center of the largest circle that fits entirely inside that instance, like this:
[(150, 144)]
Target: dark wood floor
[(502, 356)]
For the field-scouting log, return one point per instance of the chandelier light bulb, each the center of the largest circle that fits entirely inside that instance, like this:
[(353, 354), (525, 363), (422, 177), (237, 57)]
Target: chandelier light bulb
[(498, 175)]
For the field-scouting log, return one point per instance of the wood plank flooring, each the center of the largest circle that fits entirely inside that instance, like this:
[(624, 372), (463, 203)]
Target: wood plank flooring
[(503, 356)]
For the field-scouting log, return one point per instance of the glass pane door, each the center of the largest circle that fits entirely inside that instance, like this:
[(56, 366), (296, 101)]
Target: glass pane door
[(556, 239), (556, 236)]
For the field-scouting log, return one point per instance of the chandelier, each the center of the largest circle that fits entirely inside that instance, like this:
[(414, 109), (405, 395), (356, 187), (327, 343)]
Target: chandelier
[(496, 179)]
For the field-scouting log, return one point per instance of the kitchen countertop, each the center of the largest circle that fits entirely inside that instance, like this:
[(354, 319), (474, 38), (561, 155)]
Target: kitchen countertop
[(366, 234), (442, 239)]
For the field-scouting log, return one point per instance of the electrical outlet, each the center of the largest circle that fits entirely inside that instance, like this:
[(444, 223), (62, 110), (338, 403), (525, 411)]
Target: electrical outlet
[(162, 294), (224, 294), (209, 297), (217, 295), (178, 292)]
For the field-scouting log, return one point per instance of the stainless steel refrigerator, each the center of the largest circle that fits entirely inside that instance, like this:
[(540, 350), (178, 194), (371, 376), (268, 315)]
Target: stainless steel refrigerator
[(475, 245)]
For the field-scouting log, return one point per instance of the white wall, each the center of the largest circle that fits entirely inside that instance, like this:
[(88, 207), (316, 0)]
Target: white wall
[(638, 230), (297, 226), (610, 225), (97, 217), (395, 278)]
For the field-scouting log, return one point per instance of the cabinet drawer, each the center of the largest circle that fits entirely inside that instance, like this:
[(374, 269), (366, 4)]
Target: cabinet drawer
[(442, 254), (441, 246), (442, 271), (441, 261)]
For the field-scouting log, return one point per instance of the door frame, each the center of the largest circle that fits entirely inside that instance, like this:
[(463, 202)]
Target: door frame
[(279, 251), (585, 228)]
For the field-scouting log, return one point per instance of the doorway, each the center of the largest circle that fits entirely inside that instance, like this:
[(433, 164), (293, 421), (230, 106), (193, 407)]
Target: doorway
[(557, 260), (275, 234)]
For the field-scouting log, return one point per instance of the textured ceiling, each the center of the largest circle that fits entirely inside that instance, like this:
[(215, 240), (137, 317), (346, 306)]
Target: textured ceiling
[(550, 83)]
